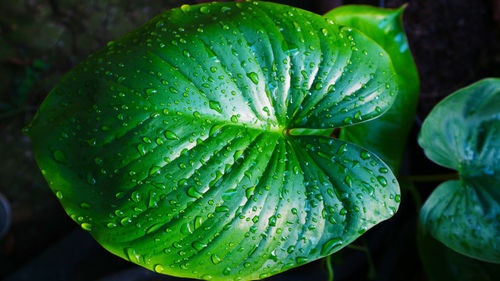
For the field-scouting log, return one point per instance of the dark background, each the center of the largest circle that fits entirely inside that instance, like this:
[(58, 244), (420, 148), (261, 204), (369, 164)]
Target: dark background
[(454, 42)]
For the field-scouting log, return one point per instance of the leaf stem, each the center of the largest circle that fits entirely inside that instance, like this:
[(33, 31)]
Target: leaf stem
[(309, 132), (329, 268), (429, 178), (371, 264)]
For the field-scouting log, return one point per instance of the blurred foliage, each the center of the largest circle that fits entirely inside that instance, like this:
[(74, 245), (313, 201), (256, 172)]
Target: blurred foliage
[(442, 263)]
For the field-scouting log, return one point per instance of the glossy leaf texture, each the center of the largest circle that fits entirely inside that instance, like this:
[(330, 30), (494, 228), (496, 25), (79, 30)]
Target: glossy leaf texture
[(463, 133), (386, 136), (194, 146)]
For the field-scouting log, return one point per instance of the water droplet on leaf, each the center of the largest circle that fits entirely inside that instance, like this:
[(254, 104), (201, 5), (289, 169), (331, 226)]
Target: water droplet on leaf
[(254, 77), (215, 106), (59, 156), (171, 135)]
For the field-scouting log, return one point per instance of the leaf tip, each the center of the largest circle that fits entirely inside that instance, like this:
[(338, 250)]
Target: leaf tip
[(399, 11)]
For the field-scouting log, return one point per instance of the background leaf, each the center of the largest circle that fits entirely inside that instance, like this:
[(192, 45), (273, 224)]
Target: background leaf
[(442, 263), (463, 133), (385, 136), (169, 145)]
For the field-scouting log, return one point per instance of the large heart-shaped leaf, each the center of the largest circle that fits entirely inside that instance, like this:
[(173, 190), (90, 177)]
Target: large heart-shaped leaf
[(194, 146), (463, 133), (386, 136)]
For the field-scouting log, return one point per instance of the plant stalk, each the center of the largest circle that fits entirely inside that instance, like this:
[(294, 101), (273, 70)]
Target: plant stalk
[(329, 268), (429, 178)]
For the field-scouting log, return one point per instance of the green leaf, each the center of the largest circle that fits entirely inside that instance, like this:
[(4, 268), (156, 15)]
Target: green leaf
[(442, 263), (463, 133), (386, 136), (195, 146)]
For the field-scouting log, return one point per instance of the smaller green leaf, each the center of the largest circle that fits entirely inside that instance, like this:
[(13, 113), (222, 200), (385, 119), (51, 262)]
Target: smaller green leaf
[(441, 263), (386, 136), (463, 133)]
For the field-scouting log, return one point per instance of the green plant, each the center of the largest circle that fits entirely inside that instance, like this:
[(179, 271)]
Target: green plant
[(197, 145), (462, 133)]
